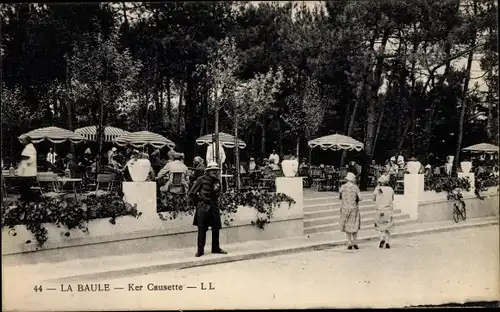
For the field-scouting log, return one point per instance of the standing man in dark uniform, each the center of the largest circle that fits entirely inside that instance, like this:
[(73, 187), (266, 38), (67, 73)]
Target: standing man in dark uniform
[(205, 193)]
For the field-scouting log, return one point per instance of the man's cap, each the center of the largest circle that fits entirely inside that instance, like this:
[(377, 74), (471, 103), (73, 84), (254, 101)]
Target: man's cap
[(383, 179), (350, 177), (212, 166)]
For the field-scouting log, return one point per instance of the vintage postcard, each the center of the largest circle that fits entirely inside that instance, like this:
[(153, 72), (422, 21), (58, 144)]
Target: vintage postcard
[(249, 155)]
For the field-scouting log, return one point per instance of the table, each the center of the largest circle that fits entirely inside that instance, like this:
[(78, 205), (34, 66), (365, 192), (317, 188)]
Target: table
[(63, 181), (225, 178)]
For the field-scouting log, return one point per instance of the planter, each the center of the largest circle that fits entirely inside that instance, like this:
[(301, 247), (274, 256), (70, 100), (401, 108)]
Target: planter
[(289, 167), (414, 167), (466, 166), (139, 170)]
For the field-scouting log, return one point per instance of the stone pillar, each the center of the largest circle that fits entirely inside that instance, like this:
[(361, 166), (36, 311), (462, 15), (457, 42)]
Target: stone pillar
[(292, 187), (144, 195), (413, 192), (470, 177)]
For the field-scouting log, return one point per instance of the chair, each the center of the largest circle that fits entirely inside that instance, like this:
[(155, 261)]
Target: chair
[(342, 174), (400, 182), (49, 178), (317, 176), (176, 184), (326, 179), (246, 182), (106, 179)]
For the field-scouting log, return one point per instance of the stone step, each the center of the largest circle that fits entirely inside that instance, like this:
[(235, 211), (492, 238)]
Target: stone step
[(335, 206), (330, 211), (321, 195), (365, 224), (335, 218), (328, 199)]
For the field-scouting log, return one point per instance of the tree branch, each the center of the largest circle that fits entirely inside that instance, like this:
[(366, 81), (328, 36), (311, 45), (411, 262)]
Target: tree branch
[(449, 59)]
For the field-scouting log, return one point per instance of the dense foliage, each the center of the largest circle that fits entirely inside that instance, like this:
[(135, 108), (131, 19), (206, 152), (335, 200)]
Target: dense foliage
[(391, 73), (262, 201), (64, 211)]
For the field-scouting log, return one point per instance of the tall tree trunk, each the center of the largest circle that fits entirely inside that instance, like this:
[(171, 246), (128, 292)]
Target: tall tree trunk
[(125, 18), (463, 98), (69, 103), (412, 100), (297, 147), (203, 109), (179, 108), (236, 148), (359, 97), (403, 137), (280, 129), (371, 110), (263, 138), (169, 101), (348, 116), (463, 110), (380, 119)]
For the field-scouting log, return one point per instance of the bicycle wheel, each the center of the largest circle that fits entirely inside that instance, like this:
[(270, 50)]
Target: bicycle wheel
[(463, 211), (455, 213)]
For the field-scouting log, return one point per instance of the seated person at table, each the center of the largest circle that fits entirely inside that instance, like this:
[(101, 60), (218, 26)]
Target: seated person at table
[(273, 166), (304, 164), (428, 170), (392, 168), (198, 169), (87, 159), (176, 166), (157, 162), (355, 168), (51, 156), (58, 166), (126, 172), (71, 165), (252, 166), (27, 169)]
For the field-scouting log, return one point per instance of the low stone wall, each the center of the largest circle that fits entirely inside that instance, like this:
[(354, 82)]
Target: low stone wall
[(148, 233), (435, 207)]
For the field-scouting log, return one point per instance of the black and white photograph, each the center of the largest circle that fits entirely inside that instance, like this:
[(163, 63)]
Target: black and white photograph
[(181, 155)]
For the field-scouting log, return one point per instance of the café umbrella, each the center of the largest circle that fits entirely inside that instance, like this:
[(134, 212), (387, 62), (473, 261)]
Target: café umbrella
[(144, 138), (55, 135), (225, 140), (482, 148), (110, 133), (336, 142)]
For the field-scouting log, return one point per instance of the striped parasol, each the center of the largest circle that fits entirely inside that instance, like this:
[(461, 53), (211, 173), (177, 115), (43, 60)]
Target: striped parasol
[(53, 134), (110, 133), (225, 140), (482, 148), (336, 142), (143, 138)]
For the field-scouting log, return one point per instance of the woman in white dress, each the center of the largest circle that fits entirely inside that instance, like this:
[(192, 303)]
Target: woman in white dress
[(384, 207)]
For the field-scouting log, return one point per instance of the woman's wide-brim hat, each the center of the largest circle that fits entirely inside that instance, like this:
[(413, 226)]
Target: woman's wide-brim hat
[(383, 179), (69, 156), (212, 166), (350, 177)]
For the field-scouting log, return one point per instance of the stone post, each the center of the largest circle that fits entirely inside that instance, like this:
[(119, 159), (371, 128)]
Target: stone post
[(413, 193), (292, 186), (144, 195), (470, 177)]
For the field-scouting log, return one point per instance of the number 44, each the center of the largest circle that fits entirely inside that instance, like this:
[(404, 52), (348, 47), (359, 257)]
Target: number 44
[(37, 288)]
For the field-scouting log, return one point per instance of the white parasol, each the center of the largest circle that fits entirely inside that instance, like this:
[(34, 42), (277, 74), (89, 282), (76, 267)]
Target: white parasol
[(225, 140), (482, 148), (143, 138), (53, 134), (336, 142), (110, 133)]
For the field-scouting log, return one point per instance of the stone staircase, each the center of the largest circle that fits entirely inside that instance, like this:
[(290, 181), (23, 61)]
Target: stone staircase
[(322, 212)]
